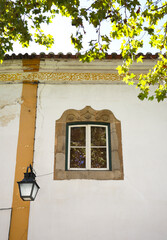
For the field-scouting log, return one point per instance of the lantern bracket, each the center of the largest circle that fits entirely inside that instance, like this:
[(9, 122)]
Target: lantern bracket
[(29, 175)]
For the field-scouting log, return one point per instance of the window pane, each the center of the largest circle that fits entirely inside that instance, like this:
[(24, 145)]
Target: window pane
[(77, 158), (78, 136), (98, 136), (98, 158)]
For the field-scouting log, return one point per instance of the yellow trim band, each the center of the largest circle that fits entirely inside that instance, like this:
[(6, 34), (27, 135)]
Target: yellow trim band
[(20, 209), (25, 152)]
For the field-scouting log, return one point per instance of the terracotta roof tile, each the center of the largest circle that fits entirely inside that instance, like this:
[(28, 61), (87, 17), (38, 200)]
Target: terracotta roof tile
[(70, 55)]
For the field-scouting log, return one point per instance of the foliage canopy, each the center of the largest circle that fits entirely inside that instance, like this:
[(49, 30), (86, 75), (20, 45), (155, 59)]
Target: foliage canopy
[(130, 21)]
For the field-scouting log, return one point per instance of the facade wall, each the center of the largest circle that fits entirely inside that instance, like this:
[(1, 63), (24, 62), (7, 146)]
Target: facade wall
[(133, 208), (10, 100)]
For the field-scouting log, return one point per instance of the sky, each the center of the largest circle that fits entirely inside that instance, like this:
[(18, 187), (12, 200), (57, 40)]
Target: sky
[(61, 30)]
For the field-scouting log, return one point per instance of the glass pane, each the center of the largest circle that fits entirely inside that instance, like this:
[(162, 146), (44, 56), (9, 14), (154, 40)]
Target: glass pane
[(77, 158), (26, 189), (98, 158), (35, 190), (77, 136), (27, 198), (98, 136)]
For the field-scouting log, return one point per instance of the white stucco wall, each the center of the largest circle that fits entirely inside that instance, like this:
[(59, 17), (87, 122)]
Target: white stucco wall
[(134, 208), (10, 100)]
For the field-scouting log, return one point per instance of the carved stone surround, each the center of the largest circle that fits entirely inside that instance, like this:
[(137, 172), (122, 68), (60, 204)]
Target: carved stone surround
[(88, 115)]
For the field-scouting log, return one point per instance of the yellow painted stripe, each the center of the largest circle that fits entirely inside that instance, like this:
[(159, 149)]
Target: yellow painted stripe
[(25, 148), (31, 65), (20, 208)]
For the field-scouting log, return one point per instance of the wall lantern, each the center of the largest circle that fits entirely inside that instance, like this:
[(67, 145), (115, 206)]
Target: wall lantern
[(28, 187)]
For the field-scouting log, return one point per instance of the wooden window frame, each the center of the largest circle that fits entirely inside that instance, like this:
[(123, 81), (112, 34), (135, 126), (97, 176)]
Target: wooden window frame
[(88, 126), (88, 114)]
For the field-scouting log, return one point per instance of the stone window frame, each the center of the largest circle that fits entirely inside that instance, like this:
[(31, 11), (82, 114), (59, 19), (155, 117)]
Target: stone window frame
[(90, 115)]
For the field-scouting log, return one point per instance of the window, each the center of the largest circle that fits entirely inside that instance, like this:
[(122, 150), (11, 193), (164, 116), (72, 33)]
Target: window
[(88, 146)]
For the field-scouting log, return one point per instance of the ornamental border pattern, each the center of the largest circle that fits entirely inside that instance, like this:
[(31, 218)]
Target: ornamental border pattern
[(60, 77)]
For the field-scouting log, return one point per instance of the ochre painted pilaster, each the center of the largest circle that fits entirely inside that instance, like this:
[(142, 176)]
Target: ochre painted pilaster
[(30, 65), (25, 148)]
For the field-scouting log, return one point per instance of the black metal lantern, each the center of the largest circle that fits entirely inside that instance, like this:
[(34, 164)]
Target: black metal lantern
[(28, 187)]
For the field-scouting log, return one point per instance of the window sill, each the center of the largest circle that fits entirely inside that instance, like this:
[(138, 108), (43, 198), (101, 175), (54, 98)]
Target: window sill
[(89, 174)]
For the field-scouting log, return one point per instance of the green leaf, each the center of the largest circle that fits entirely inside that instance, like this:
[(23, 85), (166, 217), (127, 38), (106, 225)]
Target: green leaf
[(140, 59)]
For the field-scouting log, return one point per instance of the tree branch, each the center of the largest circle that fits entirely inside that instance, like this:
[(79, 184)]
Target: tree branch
[(159, 7)]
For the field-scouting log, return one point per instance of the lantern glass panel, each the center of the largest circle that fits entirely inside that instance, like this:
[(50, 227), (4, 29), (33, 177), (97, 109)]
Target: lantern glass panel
[(35, 190), (27, 199), (25, 189)]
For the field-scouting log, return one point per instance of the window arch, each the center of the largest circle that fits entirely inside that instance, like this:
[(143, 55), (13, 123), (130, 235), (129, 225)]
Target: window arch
[(98, 160)]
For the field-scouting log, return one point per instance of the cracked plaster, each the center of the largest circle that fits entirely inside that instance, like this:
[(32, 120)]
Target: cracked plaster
[(8, 111)]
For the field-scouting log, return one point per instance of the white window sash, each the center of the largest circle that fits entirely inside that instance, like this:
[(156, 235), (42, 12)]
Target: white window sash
[(88, 147)]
